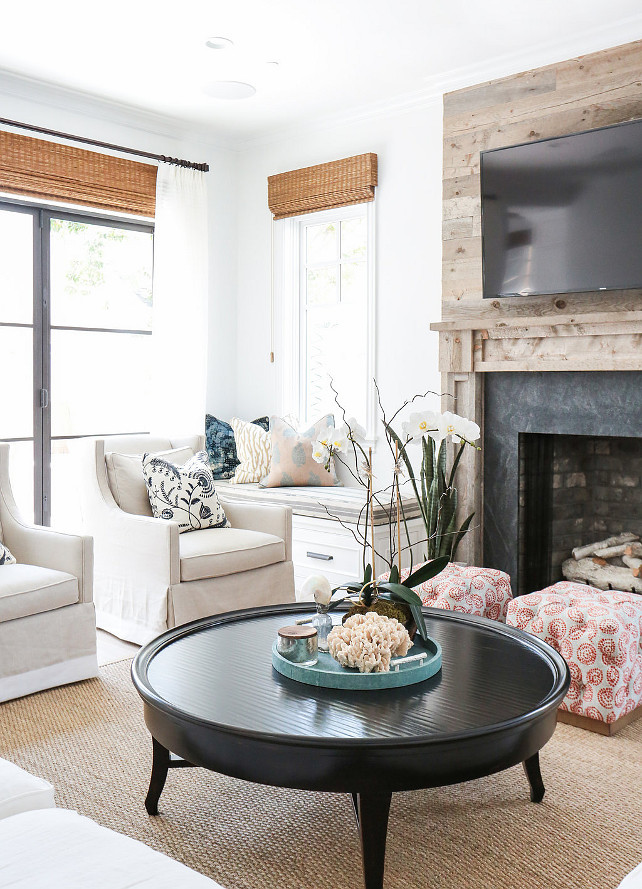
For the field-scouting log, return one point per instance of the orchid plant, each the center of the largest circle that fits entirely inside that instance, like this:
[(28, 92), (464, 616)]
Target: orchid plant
[(433, 489), (435, 492)]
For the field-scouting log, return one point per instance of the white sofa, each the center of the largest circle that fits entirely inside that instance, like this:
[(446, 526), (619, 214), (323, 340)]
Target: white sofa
[(43, 847), (148, 577), (47, 620)]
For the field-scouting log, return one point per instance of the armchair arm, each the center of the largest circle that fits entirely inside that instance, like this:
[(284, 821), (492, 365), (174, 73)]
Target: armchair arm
[(141, 548), (37, 545), (266, 517)]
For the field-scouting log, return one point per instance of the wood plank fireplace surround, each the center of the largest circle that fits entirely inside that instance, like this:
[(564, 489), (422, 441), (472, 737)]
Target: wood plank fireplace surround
[(567, 364)]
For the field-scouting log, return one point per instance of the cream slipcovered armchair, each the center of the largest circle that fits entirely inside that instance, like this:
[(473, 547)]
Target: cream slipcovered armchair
[(148, 577), (47, 621)]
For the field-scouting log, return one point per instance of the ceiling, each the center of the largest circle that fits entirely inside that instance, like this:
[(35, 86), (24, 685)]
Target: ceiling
[(333, 57)]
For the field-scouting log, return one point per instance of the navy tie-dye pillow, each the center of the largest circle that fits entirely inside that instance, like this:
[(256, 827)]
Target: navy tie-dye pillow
[(221, 447)]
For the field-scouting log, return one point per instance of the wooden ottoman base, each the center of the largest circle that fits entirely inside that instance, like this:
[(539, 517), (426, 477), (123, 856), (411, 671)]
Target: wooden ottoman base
[(594, 725)]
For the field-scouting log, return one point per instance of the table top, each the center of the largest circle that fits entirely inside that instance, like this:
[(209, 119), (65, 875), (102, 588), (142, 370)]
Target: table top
[(218, 672)]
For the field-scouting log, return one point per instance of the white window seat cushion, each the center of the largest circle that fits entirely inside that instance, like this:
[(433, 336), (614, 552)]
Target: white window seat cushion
[(22, 792), (28, 589), (59, 849), (216, 552)]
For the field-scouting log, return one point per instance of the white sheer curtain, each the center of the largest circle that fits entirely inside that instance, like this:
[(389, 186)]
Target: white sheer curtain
[(180, 301)]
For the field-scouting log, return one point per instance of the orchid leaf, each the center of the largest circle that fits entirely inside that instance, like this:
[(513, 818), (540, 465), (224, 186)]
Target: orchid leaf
[(394, 575), (426, 572), (400, 593)]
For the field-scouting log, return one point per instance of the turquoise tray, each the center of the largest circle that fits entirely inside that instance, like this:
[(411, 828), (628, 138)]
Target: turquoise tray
[(328, 673)]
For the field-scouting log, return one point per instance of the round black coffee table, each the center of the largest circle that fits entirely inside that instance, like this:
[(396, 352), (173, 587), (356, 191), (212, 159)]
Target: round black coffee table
[(212, 698)]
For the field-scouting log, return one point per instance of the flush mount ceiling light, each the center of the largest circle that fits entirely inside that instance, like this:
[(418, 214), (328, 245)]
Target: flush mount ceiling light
[(230, 89), (219, 43)]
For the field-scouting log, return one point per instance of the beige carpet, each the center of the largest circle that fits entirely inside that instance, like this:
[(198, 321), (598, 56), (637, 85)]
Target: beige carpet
[(90, 741)]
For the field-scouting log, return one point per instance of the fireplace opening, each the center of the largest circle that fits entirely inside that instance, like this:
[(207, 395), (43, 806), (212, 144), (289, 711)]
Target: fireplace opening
[(575, 490)]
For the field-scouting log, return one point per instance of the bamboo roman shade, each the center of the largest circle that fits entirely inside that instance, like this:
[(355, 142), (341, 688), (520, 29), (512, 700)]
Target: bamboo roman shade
[(351, 180), (50, 171)]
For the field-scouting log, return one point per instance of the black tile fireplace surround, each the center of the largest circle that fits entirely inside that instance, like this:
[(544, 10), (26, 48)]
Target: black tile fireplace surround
[(592, 403)]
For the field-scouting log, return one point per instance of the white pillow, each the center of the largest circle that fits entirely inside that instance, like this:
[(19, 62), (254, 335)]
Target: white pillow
[(126, 480), (253, 449), (6, 558), (184, 494)]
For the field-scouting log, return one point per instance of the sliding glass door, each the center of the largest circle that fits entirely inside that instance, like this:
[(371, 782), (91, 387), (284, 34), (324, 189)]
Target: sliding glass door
[(75, 337)]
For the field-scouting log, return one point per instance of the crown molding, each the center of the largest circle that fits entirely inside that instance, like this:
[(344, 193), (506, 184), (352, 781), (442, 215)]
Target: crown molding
[(506, 65), (540, 55), (102, 109)]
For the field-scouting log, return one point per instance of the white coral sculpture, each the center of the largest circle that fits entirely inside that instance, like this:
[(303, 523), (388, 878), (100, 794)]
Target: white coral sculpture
[(368, 642)]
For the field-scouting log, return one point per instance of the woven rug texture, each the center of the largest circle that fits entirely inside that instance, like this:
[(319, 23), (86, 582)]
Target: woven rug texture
[(90, 741)]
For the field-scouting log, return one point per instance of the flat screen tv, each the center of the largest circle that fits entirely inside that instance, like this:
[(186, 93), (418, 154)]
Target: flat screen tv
[(564, 215)]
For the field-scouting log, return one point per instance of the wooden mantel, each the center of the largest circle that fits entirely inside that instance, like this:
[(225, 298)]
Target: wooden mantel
[(585, 332), (591, 341)]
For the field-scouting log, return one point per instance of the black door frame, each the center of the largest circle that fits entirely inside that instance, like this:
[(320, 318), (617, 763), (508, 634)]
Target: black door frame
[(42, 327)]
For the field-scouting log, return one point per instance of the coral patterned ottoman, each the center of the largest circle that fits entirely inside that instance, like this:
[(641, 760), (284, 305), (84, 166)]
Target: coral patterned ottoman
[(597, 632), (482, 591)]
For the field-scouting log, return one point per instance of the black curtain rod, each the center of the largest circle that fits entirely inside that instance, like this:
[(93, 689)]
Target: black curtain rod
[(204, 168)]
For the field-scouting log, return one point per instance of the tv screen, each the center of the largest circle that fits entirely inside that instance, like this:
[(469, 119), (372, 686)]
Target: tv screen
[(564, 215)]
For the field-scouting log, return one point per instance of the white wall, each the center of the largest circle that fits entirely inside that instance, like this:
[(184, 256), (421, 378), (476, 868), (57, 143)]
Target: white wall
[(408, 210), (73, 113)]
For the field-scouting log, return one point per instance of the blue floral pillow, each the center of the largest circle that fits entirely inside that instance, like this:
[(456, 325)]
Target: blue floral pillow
[(5, 556), (183, 494), (221, 446)]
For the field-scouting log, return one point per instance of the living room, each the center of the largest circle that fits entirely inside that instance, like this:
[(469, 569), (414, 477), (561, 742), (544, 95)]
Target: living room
[(353, 298)]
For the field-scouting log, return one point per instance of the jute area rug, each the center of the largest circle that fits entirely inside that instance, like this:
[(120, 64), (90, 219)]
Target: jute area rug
[(90, 741)]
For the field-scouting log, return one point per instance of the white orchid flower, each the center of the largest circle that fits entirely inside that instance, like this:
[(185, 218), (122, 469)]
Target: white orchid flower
[(317, 587), (355, 430), (325, 437), (320, 453), (461, 428), (422, 423), (339, 440)]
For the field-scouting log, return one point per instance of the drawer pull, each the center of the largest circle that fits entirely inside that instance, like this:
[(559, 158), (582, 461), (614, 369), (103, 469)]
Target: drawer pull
[(322, 556)]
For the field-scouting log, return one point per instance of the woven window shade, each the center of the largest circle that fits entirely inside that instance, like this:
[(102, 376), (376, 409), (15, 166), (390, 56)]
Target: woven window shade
[(53, 172), (337, 184)]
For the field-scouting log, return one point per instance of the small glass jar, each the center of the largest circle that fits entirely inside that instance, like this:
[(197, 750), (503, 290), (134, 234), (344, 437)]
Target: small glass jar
[(323, 623), (298, 644)]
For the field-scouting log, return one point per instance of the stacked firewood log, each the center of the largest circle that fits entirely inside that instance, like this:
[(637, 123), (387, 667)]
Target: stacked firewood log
[(611, 564)]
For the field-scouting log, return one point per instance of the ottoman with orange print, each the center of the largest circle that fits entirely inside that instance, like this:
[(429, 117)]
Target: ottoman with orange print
[(598, 633), (471, 590)]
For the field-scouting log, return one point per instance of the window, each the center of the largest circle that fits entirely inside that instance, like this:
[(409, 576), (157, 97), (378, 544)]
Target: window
[(75, 334), (324, 286)]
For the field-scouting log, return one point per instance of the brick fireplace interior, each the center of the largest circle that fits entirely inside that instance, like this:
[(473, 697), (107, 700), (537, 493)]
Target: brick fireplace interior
[(573, 490), (562, 467)]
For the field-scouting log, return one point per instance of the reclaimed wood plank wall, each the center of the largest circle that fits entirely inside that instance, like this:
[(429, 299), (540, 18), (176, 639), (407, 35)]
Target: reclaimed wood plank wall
[(580, 94)]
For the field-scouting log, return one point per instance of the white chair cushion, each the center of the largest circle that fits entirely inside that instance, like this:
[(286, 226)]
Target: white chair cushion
[(59, 849), (216, 552), (22, 792), (127, 482), (28, 589)]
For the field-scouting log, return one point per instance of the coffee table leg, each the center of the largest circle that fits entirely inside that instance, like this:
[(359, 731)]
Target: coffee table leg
[(531, 767), (160, 767), (372, 810)]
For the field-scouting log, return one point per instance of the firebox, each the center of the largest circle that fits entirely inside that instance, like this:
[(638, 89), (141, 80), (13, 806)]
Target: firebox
[(573, 490)]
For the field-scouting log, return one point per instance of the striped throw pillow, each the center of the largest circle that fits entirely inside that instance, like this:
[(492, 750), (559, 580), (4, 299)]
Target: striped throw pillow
[(253, 450)]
